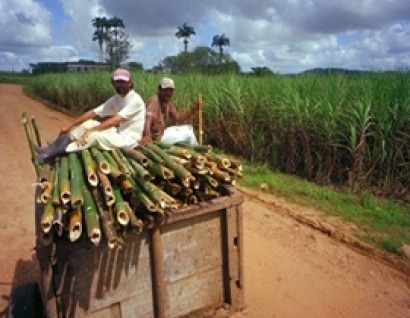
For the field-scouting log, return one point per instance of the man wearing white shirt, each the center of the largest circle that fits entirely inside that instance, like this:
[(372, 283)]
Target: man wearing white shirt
[(122, 125)]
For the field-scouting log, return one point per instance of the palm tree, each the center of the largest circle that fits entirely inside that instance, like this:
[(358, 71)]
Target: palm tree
[(220, 41), (115, 23), (185, 31), (100, 34)]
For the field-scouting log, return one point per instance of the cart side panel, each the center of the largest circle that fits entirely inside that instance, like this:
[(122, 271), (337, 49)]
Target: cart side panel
[(88, 279), (193, 263)]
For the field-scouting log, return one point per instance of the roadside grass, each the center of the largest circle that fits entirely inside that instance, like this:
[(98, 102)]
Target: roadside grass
[(386, 223)]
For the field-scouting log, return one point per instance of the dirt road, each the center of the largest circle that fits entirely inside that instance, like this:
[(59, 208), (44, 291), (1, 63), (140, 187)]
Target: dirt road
[(291, 269)]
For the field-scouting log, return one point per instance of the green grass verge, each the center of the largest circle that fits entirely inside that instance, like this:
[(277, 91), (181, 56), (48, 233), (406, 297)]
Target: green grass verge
[(386, 223)]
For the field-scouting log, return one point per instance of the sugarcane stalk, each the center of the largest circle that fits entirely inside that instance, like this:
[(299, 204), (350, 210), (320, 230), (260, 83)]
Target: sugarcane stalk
[(143, 198), (29, 138), (47, 217), (212, 181), (152, 192), (182, 161), (115, 172), (76, 180), (135, 222), (163, 145), (106, 222), (58, 219), (184, 175), (120, 207), (221, 175), (151, 154), (56, 191), (196, 156), (200, 125), (36, 131), (106, 187), (178, 152), (127, 185), (44, 174), (125, 159), (46, 193), (222, 162), (136, 155), (196, 171), (75, 227), (121, 163), (90, 167), (172, 188), (102, 162), (160, 170), (63, 181), (91, 217), (140, 171), (233, 172)]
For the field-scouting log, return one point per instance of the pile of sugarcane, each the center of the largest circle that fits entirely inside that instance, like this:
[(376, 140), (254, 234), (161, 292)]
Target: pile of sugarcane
[(121, 191), (113, 191)]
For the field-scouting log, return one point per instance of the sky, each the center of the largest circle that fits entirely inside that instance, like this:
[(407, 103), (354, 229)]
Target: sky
[(287, 36)]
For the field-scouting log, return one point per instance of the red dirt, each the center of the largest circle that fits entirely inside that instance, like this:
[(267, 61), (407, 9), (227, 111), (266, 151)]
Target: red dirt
[(297, 262)]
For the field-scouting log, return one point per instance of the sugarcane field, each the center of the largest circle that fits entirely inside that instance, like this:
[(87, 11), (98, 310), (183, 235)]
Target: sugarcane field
[(166, 230)]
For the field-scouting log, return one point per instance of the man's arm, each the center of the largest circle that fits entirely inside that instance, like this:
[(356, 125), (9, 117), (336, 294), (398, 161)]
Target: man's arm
[(147, 135), (113, 121), (180, 118), (79, 120)]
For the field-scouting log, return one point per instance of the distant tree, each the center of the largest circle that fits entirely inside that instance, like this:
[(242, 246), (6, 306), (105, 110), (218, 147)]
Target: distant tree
[(137, 66), (185, 31), (261, 71), (220, 41), (114, 25), (200, 60), (117, 48), (100, 34)]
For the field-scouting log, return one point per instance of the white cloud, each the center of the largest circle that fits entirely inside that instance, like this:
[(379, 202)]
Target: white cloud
[(23, 23)]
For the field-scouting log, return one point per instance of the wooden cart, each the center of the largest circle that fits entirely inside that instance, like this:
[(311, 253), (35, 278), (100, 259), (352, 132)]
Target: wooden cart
[(190, 265)]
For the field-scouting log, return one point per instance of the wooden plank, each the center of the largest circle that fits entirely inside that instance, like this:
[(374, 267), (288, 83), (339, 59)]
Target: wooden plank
[(203, 290), (157, 266), (234, 292), (193, 263)]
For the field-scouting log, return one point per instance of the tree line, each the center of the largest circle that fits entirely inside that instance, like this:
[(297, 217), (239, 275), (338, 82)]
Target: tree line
[(114, 47), (114, 42)]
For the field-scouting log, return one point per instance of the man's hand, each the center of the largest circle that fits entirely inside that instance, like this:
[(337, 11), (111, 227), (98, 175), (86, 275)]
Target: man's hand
[(145, 140), (82, 141), (66, 128), (198, 105)]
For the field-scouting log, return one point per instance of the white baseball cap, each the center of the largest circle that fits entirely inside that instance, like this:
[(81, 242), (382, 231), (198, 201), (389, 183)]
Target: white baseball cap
[(121, 74), (166, 82)]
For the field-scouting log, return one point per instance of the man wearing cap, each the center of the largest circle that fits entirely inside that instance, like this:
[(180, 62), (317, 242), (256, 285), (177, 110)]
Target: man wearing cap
[(160, 110), (122, 125)]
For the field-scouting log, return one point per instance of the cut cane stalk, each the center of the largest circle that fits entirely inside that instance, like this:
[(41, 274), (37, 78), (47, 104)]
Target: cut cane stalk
[(75, 227), (47, 217), (63, 181), (90, 167), (102, 162)]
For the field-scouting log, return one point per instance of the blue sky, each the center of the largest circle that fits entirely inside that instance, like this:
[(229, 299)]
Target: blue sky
[(288, 36)]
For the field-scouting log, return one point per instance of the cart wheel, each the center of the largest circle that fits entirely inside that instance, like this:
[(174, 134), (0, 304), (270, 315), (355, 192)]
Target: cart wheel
[(26, 302)]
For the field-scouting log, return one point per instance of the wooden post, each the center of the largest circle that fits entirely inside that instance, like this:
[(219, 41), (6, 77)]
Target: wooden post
[(201, 132), (157, 266)]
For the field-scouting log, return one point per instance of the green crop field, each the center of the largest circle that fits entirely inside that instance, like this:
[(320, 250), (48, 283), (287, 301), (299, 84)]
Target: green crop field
[(347, 130)]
